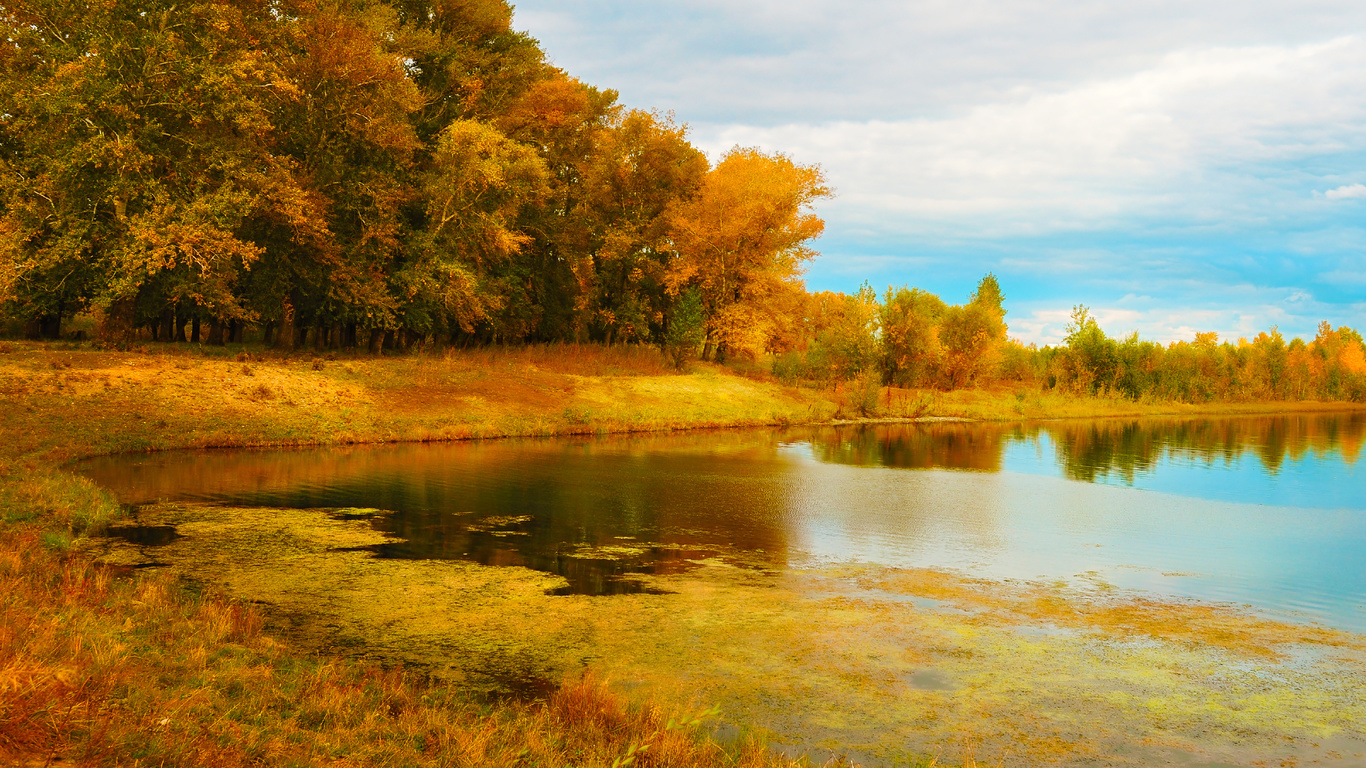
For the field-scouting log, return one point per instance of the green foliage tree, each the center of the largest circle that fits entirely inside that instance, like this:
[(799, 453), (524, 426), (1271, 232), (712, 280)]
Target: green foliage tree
[(1088, 364), (972, 335), (462, 270), (686, 329)]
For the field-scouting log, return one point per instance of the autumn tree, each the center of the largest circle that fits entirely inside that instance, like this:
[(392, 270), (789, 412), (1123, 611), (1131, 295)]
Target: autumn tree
[(562, 119), (641, 167), (911, 352), (458, 271), (742, 239), (138, 143), (972, 334), (1342, 362)]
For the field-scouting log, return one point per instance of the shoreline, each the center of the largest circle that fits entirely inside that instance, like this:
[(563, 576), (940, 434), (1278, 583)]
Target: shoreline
[(134, 402)]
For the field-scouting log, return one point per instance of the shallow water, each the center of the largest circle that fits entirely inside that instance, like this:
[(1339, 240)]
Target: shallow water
[(1267, 511), (888, 593)]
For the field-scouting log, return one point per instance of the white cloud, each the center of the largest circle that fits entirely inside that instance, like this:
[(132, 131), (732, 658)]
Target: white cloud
[(1172, 140), (1348, 192), (767, 62), (1240, 313)]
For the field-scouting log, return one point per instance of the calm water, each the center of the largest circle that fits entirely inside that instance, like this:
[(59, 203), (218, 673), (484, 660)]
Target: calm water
[(1268, 512)]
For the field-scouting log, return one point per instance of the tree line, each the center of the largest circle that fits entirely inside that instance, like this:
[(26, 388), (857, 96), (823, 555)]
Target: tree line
[(375, 174), (367, 173), (912, 338)]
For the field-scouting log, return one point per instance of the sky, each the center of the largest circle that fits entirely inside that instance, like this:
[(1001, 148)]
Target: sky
[(1175, 166)]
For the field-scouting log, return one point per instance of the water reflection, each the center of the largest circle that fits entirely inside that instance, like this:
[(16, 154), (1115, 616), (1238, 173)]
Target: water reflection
[(933, 445), (594, 511), (1264, 510), (1092, 451), (1301, 460)]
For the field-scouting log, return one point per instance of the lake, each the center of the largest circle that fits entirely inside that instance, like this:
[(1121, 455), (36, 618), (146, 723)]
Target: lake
[(1264, 511), (1133, 592)]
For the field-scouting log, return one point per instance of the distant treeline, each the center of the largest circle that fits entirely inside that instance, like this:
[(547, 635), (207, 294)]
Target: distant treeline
[(911, 338), (366, 173)]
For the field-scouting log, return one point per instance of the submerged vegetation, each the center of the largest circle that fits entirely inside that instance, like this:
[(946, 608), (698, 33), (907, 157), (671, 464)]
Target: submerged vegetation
[(885, 664), (102, 668)]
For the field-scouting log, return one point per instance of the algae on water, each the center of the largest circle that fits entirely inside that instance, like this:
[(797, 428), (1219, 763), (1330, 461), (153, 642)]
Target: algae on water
[(883, 663)]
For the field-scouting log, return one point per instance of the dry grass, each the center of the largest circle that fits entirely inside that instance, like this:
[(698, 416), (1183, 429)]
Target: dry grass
[(62, 404)]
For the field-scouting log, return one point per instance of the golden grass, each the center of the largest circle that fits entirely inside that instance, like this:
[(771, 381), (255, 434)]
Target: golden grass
[(63, 404), (1005, 403)]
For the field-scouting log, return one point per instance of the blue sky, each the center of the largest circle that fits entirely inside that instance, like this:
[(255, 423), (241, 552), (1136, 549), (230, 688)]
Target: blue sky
[(1176, 166)]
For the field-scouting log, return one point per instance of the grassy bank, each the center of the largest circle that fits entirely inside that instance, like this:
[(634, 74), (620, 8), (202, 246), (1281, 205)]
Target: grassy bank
[(107, 667), (1006, 403), (64, 402)]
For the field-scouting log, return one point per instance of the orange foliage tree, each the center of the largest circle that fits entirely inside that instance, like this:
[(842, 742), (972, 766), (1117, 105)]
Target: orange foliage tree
[(742, 241)]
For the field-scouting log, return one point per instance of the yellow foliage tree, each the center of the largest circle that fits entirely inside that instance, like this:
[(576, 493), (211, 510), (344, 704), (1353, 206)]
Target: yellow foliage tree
[(482, 183), (742, 241)]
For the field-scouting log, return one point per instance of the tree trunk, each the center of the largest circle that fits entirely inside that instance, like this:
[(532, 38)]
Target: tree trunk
[(180, 321), (234, 331), (320, 337), (167, 325), (194, 329), (286, 337), (116, 326), (216, 332), (376, 338), (50, 326), (349, 340), (388, 341)]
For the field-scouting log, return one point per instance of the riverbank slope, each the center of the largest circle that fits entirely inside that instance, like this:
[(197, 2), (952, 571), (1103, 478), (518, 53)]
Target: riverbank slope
[(68, 401)]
